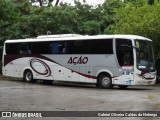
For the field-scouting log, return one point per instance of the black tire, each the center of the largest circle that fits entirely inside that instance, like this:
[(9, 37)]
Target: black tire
[(105, 81), (122, 87), (28, 77), (97, 84)]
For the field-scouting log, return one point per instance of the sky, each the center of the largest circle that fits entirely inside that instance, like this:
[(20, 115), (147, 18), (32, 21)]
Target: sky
[(91, 2)]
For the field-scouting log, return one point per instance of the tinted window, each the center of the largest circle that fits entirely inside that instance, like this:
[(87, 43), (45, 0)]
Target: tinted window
[(63, 47), (28, 48), (102, 46), (78, 47), (40, 47), (90, 47), (59, 47), (24, 48), (12, 48), (124, 52)]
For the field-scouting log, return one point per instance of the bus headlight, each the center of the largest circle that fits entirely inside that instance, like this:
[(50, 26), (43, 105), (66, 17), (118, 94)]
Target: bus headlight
[(144, 75), (148, 76)]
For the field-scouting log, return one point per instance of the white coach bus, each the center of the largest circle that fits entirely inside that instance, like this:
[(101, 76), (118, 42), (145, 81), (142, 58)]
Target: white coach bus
[(105, 60)]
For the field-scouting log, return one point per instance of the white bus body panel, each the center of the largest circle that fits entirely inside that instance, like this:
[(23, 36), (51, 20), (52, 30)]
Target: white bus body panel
[(17, 67), (59, 67)]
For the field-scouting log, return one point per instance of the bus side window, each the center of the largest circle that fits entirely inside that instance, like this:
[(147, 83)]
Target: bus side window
[(24, 49), (12, 48), (55, 48), (59, 48), (63, 48)]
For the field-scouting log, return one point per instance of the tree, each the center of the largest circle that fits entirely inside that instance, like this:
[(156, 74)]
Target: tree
[(89, 18), (140, 20), (8, 17), (108, 14)]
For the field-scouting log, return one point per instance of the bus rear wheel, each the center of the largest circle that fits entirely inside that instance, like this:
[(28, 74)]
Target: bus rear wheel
[(28, 77), (105, 81)]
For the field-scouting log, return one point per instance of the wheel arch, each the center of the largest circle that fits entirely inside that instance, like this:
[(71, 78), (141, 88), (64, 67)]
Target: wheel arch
[(107, 72), (26, 69), (104, 72)]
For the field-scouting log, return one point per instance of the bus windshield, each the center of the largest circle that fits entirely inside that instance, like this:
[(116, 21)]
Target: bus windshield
[(145, 56)]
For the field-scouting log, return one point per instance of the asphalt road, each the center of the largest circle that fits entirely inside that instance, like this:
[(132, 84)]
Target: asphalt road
[(16, 95)]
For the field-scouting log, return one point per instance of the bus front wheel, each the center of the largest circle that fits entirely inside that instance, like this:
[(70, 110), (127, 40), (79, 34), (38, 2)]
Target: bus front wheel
[(28, 76), (105, 81)]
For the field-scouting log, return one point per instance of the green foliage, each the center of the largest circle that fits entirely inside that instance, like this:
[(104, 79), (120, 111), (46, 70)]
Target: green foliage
[(89, 19), (142, 19), (109, 14), (7, 18), (24, 20)]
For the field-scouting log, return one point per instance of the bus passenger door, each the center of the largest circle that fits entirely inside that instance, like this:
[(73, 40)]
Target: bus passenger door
[(124, 53), (128, 74)]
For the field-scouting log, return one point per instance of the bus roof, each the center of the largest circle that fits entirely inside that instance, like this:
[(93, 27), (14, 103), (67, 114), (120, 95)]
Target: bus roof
[(68, 37), (58, 36)]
